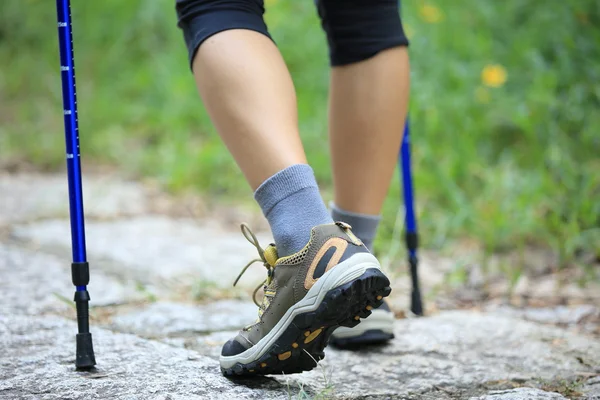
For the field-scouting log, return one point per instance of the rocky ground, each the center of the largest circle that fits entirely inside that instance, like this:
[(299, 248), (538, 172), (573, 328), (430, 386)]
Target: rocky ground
[(163, 306)]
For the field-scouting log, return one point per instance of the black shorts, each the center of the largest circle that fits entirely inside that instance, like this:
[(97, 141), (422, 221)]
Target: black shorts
[(356, 29)]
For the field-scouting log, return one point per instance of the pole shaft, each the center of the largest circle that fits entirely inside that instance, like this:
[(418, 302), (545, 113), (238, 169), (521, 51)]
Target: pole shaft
[(411, 234), (67, 67), (411, 221)]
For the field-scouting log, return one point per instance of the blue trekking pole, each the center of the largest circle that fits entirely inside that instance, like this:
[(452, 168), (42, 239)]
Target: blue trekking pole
[(410, 221), (80, 272)]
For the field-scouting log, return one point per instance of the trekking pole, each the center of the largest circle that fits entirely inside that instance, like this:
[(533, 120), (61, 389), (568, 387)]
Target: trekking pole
[(80, 272), (410, 221)]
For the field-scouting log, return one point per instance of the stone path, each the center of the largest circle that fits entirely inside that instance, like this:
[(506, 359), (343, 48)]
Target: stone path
[(163, 306)]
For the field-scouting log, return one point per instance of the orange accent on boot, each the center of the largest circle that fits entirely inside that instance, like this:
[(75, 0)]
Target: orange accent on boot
[(313, 336), (340, 245)]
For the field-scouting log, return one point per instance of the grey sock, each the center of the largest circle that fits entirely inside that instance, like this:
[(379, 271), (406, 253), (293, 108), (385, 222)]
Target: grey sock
[(291, 201), (363, 225)]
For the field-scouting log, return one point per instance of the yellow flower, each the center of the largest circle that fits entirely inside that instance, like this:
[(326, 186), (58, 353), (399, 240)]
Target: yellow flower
[(431, 13), (482, 95), (493, 75)]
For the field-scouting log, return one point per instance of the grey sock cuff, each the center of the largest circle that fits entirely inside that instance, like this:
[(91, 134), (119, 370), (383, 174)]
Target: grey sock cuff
[(284, 184), (363, 225)]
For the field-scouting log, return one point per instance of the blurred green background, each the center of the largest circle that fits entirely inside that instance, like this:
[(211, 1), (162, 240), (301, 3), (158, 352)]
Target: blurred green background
[(505, 110)]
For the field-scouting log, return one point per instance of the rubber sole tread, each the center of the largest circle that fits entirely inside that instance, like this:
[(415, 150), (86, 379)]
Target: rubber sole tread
[(301, 345)]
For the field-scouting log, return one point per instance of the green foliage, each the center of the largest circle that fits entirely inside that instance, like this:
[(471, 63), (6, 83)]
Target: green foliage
[(143, 290), (507, 163)]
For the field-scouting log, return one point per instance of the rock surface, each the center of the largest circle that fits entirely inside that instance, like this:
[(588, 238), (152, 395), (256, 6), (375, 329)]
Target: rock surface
[(591, 388), (157, 250), (154, 342), (563, 315), (28, 197), (174, 319), (37, 362), (458, 349), (32, 283), (520, 394)]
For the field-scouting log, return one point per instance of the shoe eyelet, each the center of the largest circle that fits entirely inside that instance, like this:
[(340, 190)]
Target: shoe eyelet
[(343, 225)]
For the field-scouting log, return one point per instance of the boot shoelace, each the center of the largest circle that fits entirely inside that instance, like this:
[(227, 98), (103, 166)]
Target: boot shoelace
[(268, 258)]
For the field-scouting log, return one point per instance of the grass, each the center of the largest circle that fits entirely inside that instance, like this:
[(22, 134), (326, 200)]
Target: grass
[(505, 110), (326, 392)]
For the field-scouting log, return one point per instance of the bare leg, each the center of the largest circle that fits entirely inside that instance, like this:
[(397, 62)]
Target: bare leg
[(250, 98), (367, 110)]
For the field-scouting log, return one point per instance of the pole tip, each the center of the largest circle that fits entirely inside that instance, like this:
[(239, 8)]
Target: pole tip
[(85, 359), (416, 302)]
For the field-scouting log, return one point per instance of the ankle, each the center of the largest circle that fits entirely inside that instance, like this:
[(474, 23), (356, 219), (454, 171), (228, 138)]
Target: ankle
[(291, 201), (363, 225)]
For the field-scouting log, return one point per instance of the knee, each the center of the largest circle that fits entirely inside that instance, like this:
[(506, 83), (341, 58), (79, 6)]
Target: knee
[(200, 19), (359, 29)]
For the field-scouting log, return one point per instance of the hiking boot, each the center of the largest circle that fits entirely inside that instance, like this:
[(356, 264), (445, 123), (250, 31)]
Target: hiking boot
[(377, 329), (333, 281)]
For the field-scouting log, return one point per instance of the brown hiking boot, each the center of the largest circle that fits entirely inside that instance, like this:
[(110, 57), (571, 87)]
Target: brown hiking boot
[(333, 281)]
